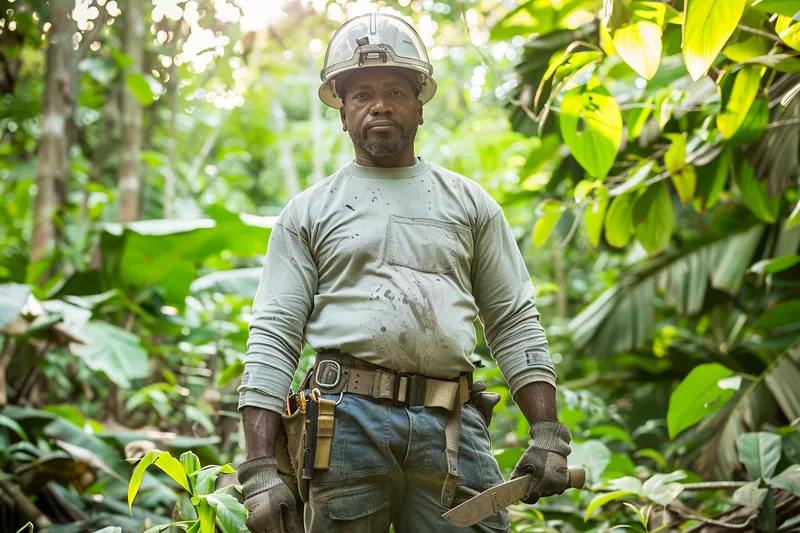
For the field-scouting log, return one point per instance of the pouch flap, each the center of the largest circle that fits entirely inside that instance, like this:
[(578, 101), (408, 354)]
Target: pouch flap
[(357, 503)]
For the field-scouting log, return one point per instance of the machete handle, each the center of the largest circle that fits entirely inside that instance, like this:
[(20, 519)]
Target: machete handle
[(577, 477)]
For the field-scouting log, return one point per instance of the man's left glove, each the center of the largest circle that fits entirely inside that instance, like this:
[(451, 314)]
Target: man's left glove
[(546, 460), (271, 506)]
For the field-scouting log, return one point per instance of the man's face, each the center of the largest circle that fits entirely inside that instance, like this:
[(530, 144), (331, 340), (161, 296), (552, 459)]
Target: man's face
[(381, 110)]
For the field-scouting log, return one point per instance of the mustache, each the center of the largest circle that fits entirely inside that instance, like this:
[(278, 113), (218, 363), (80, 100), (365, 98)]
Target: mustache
[(380, 121)]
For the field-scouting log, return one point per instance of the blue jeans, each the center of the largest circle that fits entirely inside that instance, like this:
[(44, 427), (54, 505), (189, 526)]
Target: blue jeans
[(388, 467)]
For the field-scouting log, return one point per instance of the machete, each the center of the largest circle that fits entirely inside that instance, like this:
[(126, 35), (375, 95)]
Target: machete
[(493, 500)]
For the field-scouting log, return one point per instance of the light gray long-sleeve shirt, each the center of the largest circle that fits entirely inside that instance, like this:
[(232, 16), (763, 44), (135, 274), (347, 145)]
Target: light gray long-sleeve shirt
[(393, 265)]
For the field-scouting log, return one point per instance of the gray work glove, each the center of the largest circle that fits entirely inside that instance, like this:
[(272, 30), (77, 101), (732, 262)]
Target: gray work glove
[(270, 504), (546, 460)]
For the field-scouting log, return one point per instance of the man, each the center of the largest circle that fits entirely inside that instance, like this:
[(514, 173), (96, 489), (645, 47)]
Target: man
[(383, 268)]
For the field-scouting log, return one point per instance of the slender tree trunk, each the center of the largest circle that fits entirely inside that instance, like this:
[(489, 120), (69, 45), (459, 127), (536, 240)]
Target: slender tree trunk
[(130, 168), (52, 153)]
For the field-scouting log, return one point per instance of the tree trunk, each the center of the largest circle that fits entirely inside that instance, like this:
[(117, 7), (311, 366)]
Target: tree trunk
[(129, 170), (52, 153)]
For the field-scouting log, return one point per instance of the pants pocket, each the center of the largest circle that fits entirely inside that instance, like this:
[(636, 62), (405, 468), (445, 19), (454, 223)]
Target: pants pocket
[(362, 509)]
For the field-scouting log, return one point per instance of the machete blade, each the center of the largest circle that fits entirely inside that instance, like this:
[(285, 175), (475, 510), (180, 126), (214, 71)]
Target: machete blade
[(489, 502)]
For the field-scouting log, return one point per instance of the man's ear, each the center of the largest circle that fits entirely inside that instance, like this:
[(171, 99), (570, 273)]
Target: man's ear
[(343, 117), (419, 112)]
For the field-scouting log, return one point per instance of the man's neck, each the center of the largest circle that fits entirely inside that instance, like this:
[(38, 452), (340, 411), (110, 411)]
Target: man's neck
[(404, 158)]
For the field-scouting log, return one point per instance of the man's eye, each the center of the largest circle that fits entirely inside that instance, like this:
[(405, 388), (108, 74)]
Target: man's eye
[(360, 96), (396, 92)]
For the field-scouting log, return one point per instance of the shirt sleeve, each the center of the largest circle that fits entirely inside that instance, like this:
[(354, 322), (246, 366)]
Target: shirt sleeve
[(506, 302), (283, 302)]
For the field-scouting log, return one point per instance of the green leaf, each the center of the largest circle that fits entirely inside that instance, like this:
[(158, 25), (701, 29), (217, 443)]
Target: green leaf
[(655, 232), (749, 495), (602, 499), (619, 220), (789, 31), (166, 462), (759, 453), (755, 194), (780, 315), (591, 124), (240, 282), (28, 527), (653, 454), (794, 218), (166, 527), (683, 176), (230, 513), (737, 97), (709, 24), (789, 480), (207, 516), (788, 8), (138, 476), (191, 464), (711, 179), (584, 188), (638, 42), (776, 265), (612, 433), (12, 299), (755, 46), (593, 218), (615, 13), (13, 425), (675, 157), (755, 123), (138, 85), (697, 396), (549, 213), (112, 350), (661, 489), (593, 456)]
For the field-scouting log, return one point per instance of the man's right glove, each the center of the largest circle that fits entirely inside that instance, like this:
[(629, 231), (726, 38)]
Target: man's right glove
[(269, 502), (546, 460)]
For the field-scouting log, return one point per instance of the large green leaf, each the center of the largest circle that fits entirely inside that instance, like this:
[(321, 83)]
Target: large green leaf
[(140, 88), (112, 350), (737, 95), (655, 231), (788, 8), (759, 453), (755, 194), (594, 216), (661, 488), (788, 30), (12, 299), (639, 42), (619, 220), (704, 391), (780, 315), (241, 282), (709, 24), (602, 499), (230, 513), (593, 456), (166, 462), (549, 212), (591, 124)]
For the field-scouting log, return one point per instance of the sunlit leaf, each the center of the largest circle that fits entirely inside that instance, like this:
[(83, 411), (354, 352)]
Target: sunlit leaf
[(755, 46), (549, 213), (639, 45), (789, 31), (661, 489), (737, 96), (759, 453), (697, 396), (12, 299), (780, 315), (602, 499), (140, 88), (776, 265), (593, 456), (709, 24), (788, 8), (711, 180), (794, 217), (591, 124)]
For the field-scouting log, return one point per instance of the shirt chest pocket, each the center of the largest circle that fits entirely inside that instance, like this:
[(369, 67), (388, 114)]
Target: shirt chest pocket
[(428, 245)]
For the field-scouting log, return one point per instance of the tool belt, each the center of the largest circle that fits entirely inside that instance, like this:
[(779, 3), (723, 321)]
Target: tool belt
[(309, 420)]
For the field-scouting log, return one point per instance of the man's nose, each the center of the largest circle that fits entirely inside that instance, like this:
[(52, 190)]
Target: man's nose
[(380, 106)]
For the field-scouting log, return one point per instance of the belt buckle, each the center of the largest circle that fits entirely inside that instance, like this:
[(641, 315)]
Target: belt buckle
[(415, 393), (336, 366)]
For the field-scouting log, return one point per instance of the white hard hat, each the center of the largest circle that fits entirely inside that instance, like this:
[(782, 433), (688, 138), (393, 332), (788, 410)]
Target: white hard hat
[(375, 40)]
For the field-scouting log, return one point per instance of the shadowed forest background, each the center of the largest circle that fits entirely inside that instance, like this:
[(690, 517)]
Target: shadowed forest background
[(645, 152)]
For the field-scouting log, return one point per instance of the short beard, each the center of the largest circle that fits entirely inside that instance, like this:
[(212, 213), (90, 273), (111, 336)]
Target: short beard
[(383, 148)]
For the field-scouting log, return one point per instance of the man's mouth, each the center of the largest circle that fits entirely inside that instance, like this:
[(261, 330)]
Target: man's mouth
[(383, 125)]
